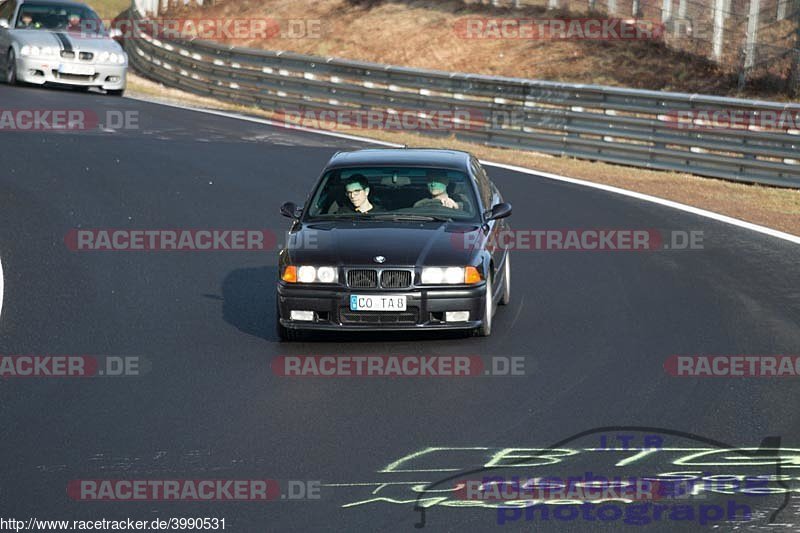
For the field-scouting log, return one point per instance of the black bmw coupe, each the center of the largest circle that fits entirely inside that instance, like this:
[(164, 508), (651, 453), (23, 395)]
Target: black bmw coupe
[(395, 239)]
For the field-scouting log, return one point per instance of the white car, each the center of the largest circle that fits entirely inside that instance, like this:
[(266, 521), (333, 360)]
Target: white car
[(57, 42)]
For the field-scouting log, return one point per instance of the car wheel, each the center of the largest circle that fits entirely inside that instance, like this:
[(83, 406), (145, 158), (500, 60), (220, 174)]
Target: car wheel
[(506, 297), (115, 92), (11, 68), (485, 329), (284, 334)]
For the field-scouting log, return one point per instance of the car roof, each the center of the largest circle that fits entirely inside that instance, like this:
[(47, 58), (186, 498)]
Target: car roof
[(432, 157)]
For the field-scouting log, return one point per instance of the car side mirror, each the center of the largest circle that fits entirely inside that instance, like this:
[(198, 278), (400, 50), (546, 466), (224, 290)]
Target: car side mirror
[(4, 23), (290, 210), (498, 211)]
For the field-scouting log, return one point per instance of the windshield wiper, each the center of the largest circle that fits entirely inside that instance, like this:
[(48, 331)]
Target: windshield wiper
[(410, 217)]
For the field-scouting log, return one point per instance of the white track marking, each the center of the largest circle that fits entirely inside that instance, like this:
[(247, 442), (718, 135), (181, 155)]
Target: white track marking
[(654, 199), (608, 188)]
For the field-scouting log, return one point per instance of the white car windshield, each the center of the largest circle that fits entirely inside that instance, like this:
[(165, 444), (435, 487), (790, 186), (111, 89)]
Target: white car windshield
[(59, 17)]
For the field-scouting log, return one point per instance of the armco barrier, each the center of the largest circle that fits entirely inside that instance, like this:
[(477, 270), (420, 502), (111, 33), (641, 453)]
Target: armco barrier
[(617, 125)]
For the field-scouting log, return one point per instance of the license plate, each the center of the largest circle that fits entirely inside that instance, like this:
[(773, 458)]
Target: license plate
[(377, 302), (79, 70)]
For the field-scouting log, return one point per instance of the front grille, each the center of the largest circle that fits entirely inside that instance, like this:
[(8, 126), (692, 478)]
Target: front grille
[(362, 278), (86, 56), (67, 55), (367, 278), (395, 279), (407, 317), (73, 77)]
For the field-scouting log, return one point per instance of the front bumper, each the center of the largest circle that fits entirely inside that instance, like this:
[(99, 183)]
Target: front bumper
[(38, 70), (425, 308)]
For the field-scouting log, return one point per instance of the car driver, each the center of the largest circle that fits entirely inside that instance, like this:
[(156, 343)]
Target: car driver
[(437, 186)]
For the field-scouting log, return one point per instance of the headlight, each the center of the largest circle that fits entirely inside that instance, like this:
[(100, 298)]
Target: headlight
[(32, 51), (326, 274), (306, 274), (454, 275), (310, 274), (432, 275), (450, 276), (50, 51), (112, 57)]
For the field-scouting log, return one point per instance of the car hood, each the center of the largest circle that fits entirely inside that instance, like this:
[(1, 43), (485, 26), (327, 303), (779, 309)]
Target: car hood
[(81, 43), (402, 244)]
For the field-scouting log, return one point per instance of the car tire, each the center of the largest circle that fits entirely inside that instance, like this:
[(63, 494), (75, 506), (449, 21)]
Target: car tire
[(506, 297), (115, 92), (485, 328), (11, 68)]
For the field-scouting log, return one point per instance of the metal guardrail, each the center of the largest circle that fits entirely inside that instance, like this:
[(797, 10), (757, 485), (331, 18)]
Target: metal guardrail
[(616, 125)]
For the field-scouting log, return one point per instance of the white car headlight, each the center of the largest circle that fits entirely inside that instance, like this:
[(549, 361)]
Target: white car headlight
[(454, 275), (432, 275), (103, 57), (121, 58), (32, 51), (326, 274), (306, 274), (323, 274), (50, 51), (450, 276)]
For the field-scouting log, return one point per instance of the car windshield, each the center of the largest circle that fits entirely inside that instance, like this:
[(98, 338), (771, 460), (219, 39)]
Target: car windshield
[(394, 193), (59, 17)]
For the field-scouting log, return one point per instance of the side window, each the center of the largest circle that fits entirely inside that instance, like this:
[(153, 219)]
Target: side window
[(484, 187)]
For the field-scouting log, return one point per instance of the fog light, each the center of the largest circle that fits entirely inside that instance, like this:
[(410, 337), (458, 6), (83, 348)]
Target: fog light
[(302, 315), (456, 316), (113, 79)]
